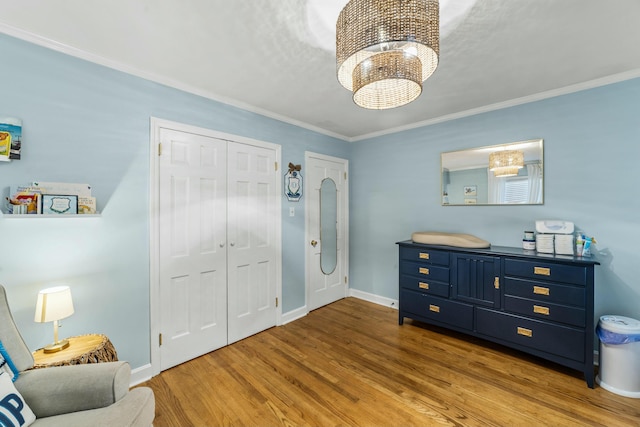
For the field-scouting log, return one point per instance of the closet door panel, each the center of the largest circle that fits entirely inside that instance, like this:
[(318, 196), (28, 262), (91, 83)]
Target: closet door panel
[(192, 240), (251, 234)]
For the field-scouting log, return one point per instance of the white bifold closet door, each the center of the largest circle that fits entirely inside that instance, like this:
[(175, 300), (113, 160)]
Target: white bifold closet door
[(217, 251)]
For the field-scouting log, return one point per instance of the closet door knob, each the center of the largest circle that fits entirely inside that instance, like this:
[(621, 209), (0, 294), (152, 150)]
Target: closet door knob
[(314, 243), (222, 245), (232, 244)]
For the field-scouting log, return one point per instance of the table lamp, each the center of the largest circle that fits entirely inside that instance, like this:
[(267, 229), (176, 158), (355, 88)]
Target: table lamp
[(54, 304)]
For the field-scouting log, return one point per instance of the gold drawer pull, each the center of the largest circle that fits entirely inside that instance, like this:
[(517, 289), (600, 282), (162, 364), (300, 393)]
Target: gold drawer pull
[(525, 332), (540, 290), (424, 255), (424, 270), (434, 308), (541, 310), (423, 285), (496, 282), (542, 271)]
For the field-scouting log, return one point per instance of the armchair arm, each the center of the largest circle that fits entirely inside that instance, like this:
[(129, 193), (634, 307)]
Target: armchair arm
[(64, 389)]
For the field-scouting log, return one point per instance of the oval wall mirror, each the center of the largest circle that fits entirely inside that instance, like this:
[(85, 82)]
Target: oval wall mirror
[(328, 226)]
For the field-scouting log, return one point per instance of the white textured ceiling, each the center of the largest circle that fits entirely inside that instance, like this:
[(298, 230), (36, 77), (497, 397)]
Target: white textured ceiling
[(262, 54)]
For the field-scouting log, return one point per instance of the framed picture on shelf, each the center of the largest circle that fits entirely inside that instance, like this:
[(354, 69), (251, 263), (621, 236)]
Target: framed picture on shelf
[(55, 204), (470, 190)]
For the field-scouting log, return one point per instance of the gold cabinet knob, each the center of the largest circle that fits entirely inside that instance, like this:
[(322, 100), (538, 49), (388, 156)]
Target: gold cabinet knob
[(314, 243)]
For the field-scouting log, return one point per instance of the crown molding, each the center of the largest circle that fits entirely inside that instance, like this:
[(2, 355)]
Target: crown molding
[(614, 78), (163, 80)]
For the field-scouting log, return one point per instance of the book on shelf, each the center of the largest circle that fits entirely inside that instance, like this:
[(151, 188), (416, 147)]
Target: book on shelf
[(29, 196), (86, 205), (72, 189)]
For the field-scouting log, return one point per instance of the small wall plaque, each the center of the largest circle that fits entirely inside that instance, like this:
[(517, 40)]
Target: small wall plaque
[(293, 183)]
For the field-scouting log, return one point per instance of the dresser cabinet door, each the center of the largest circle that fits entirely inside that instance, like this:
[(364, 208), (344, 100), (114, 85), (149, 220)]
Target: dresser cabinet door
[(476, 279)]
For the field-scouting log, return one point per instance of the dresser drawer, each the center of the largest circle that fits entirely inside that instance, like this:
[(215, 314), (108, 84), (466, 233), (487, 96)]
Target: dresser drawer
[(425, 271), (423, 254), (574, 274), (546, 292), (555, 339), (426, 286), (445, 311), (553, 312)]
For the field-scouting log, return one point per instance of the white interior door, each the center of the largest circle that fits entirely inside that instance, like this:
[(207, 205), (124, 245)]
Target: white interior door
[(192, 240), (325, 287), (252, 239)]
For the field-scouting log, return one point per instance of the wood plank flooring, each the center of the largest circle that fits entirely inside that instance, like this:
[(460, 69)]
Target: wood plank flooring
[(350, 363)]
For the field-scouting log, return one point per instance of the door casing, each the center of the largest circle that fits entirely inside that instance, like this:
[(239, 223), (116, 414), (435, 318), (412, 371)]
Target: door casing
[(309, 235)]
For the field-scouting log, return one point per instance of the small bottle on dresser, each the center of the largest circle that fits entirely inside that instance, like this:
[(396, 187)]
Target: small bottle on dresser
[(529, 241), (579, 243)]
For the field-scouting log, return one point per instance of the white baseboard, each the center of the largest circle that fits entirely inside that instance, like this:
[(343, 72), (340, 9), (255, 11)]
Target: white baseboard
[(376, 299), (140, 375), (292, 315)]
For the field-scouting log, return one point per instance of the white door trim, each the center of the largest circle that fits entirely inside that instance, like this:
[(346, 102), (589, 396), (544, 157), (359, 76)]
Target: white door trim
[(154, 207), (307, 233)]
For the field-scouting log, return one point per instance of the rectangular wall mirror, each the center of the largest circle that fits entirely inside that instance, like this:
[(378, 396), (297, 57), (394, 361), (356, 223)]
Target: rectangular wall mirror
[(505, 174)]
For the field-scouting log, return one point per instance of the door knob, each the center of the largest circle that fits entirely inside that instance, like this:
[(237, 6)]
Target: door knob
[(314, 243)]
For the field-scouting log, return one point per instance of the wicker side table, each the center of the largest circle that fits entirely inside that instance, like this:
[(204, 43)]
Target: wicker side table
[(92, 348)]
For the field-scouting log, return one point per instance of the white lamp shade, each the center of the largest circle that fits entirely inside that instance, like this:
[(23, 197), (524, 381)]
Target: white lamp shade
[(54, 304)]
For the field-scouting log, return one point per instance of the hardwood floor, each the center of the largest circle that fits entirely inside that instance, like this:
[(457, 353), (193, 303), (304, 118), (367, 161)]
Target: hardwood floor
[(350, 363)]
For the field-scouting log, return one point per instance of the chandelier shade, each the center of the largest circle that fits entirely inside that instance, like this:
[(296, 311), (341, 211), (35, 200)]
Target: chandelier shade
[(506, 163), (385, 49), (505, 172)]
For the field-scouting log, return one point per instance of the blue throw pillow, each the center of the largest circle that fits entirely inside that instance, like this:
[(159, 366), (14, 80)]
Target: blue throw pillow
[(6, 364)]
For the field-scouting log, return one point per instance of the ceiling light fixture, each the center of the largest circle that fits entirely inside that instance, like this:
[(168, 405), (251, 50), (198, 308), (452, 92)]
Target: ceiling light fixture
[(385, 49), (506, 163)]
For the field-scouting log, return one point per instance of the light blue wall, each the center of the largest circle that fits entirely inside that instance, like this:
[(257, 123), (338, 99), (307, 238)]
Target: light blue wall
[(87, 123), (591, 150), (90, 124)]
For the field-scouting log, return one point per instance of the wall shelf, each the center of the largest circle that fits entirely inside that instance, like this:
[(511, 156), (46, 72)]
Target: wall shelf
[(34, 216)]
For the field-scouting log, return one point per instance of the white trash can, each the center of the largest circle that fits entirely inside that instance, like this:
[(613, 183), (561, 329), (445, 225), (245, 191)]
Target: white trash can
[(619, 355)]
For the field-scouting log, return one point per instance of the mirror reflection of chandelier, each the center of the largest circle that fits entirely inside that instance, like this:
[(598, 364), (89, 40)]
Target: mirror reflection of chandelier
[(506, 163), (385, 49)]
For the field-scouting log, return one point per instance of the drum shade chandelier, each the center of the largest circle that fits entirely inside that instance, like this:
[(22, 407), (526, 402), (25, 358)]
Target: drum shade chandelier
[(506, 163), (385, 49)]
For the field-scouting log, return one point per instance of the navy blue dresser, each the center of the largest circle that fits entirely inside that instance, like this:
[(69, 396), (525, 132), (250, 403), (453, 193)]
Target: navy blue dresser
[(537, 303)]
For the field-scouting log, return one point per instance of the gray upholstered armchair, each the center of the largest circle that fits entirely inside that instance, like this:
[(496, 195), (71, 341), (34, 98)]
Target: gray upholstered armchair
[(79, 395)]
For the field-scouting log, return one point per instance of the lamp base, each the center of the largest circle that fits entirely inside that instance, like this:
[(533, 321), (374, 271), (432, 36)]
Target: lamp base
[(56, 347)]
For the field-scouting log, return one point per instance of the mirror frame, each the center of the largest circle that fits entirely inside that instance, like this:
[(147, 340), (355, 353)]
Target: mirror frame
[(484, 151)]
